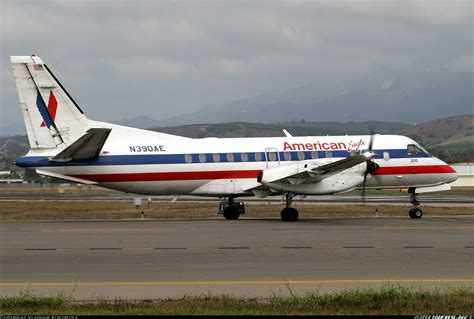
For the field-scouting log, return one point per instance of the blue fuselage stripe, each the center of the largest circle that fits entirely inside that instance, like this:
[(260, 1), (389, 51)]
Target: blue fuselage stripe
[(148, 159)]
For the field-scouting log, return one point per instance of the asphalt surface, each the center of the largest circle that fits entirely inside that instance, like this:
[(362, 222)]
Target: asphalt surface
[(248, 257)]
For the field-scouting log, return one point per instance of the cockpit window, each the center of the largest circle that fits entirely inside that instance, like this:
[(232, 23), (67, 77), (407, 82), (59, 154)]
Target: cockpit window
[(413, 149)]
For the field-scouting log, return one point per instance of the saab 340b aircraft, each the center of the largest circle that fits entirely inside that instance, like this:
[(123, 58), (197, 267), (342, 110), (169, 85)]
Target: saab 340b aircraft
[(67, 145)]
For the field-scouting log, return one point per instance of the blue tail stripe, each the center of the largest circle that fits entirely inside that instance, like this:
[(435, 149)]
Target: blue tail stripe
[(44, 111)]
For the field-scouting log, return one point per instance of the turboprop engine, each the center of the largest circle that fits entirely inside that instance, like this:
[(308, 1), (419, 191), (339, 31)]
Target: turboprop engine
[(304, 178)]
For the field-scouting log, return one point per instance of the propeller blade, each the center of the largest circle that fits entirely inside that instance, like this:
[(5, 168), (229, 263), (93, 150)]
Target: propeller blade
[(371, 166), (371, 142)]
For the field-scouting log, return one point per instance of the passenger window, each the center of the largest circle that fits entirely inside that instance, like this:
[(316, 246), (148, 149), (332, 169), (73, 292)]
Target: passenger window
[(314, 155), (216, 158), (258, 157), (202, 158), (244, 157), (386, 156), (328, 154), (188, 158), (230, 157), (272, 156), (287, 156), (300, 155)]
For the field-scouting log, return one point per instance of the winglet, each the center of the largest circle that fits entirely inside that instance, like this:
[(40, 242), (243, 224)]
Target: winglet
[(287, 133)]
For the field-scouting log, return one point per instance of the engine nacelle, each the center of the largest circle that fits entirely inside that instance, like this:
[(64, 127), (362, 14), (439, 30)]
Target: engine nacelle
[(274, 178)]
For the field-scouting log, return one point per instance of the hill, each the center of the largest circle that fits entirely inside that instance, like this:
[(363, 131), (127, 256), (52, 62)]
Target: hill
[(450, 130), (403, 95), (302, 128), (451, 139)]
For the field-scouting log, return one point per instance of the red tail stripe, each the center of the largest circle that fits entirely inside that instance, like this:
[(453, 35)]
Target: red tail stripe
[(52, 107), (208, 175)]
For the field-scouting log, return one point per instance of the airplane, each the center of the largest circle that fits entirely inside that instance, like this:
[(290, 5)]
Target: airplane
[(65, 144)]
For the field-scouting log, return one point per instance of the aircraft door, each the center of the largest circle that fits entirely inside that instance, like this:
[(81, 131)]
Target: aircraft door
[(272, 157)]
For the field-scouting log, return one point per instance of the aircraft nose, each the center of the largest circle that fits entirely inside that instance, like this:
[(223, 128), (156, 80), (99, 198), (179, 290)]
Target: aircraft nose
[(450, 174)]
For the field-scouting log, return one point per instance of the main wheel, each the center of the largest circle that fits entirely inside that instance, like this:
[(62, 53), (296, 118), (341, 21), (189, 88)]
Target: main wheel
[(289, 214), (415, 213), (231, 213)]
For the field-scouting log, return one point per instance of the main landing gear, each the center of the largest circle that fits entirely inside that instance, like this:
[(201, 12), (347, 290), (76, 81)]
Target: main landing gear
[(232, 210), (289, 214), (414, 212)]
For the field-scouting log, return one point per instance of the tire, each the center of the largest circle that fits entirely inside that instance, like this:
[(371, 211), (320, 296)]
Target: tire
[(231, 213), (415, 213), (289, 215)]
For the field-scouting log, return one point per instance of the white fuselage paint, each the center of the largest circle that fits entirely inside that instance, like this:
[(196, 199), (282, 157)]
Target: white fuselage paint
[(145, 162)]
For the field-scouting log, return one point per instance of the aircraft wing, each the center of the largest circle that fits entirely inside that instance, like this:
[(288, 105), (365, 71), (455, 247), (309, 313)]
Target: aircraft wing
[(324, 171), (87, 146), (298, 173)]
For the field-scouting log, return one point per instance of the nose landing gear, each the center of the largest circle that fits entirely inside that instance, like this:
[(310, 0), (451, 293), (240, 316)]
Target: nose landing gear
[(414, 212), (289, 214)]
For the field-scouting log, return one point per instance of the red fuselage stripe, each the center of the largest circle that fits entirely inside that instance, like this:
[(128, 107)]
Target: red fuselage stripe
[(404, 170), (168, 176), (209, 175)]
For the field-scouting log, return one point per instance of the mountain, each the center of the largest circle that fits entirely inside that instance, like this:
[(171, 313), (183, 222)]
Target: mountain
[(140, 121), (451, 138), (301, 128), (450, 130), (408, 95)]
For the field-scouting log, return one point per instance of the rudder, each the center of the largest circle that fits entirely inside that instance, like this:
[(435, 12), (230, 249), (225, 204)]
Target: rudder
[(51, 116)]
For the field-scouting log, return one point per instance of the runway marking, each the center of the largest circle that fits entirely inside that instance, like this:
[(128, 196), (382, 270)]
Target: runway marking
[(423, 227), (240, 282), (215, 248), (100, 230), (137, 248)]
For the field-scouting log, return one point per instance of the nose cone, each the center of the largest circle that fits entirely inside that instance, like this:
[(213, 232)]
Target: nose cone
[(451, 175)]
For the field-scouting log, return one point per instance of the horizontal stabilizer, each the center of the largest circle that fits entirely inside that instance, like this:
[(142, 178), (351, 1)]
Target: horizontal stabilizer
[(87, 146)]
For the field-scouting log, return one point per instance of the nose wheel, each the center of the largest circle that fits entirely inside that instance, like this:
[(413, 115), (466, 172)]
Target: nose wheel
[(289, 214), (414, 212)]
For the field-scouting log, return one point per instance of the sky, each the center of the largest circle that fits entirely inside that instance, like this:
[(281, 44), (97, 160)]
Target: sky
[(120, 59)]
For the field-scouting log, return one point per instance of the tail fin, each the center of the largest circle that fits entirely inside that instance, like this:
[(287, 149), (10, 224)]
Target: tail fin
[(52, 117)]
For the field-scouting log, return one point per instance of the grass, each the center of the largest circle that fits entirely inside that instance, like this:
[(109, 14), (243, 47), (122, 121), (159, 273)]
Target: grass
[(115, 210), (90, 190), (390, 300), (37, 209)]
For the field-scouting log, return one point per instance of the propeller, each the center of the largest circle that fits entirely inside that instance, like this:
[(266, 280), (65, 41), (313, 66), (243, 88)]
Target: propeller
[(371, 165)]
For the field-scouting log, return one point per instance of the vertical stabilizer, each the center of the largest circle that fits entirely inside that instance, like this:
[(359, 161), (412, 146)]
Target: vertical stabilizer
[(52, 118)]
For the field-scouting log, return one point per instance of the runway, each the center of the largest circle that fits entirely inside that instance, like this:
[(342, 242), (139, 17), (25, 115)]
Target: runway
[(248, 257)]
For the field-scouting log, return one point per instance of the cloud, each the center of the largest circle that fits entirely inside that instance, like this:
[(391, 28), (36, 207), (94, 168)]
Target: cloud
[(184, 55)]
